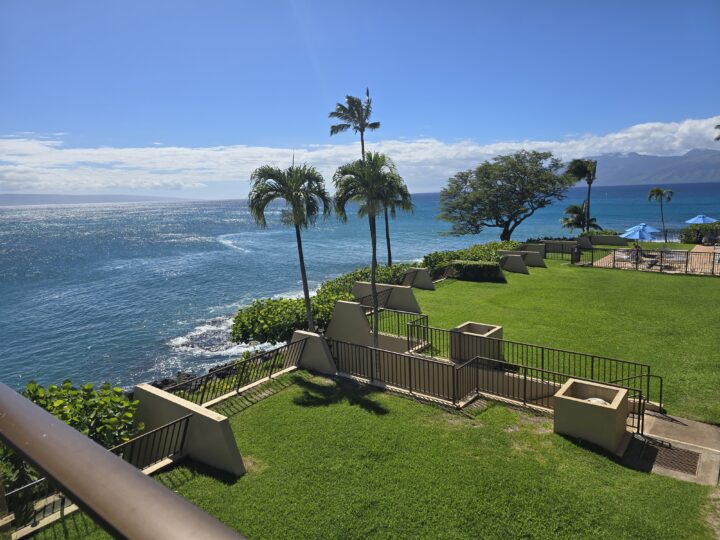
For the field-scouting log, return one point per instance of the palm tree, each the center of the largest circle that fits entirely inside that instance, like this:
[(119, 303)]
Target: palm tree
[(364, 182), (354, 114), (303, 190), (717, 137), (396, 197), (584, 169), (661, 195), (576, 219)]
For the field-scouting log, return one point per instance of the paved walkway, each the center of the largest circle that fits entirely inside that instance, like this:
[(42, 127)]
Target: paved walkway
[(681, 445)]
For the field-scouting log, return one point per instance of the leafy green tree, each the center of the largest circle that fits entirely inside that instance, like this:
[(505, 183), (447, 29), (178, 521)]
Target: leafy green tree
[(576, 216), (396, 197), (355, 114), (302, 188), (661, 195), (364, 182), (503, 193), (584, 169)]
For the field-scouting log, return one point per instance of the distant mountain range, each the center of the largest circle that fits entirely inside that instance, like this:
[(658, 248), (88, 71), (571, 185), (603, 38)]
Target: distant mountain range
[(24, 199), (633, 169)]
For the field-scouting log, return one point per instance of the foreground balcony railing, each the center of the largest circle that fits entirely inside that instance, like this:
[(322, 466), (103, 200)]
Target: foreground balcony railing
[(117, 496)]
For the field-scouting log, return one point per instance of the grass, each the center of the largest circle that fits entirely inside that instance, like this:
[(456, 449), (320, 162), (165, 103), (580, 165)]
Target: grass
[(342, 461), (667, 321)]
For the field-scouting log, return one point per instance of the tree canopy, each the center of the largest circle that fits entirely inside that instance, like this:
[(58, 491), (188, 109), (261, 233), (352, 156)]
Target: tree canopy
[(503, 192)]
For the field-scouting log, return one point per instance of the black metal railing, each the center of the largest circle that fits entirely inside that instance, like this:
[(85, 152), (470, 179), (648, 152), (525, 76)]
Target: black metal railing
[(665, 261), (458, 347), (34, 502), (459, 383), (41, 498), (426, 376), (394, 322), (367, 300), (156, 445), (234, 376), (533, 386), (559, 250)]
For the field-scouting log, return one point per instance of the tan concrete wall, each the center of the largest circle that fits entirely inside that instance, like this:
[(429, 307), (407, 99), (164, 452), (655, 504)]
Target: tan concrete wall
[(419, 278), (349, 324), (513, 263), (608, 240), (401, 298), (209, 439), (530, 258), (316, 355), (603, 425), (468, 340), (537, 248), (392, 343), (584, 242)]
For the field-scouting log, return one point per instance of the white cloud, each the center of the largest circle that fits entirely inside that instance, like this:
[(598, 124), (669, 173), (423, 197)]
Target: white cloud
[(31, 163)]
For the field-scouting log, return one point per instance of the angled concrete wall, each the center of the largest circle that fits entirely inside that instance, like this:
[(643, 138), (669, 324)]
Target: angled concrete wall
[(530, 258), (418, 278), (209, 438), (349, 324), (608, 240), (316, 355), (537, 248), (514, 263), (401, 298)]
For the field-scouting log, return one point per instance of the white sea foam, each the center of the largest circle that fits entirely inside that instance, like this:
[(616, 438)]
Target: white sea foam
[(227, 240), (211, 338)]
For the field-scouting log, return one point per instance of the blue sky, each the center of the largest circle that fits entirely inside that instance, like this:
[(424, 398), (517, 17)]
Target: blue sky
[(83, 79)]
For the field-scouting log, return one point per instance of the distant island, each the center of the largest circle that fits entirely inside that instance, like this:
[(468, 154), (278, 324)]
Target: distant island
[(27, 199)]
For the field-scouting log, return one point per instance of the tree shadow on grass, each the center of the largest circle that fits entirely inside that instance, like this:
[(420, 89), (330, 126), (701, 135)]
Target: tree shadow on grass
[(177, 476), (323, 395)]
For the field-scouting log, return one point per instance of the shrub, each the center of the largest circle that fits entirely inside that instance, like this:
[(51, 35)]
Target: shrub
[(694, 234), (436, 261), (272, 320), (595, 233), (474, 271), (105, 415)]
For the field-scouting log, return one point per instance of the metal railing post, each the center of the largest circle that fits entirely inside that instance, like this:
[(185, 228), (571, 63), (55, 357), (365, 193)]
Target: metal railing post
[(524, 385)]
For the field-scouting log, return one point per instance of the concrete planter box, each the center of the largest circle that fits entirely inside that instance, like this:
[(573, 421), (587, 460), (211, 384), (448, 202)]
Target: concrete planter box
[(470, 340), (580, 414)]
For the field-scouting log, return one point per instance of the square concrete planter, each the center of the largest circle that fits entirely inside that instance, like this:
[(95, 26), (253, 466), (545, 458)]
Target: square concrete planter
[(470, 340), (594, 412)]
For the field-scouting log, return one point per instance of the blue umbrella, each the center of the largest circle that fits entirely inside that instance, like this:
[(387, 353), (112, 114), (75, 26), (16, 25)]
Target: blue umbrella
[(638, 234), (701, 219), (644, 227)]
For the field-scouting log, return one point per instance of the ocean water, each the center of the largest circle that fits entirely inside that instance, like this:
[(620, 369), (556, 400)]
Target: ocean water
[(134, 292)]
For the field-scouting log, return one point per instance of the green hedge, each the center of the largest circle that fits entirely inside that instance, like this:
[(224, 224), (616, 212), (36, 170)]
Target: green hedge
[(694, 234), (596, 232), (474, 271), (272, 320), (437, 261)]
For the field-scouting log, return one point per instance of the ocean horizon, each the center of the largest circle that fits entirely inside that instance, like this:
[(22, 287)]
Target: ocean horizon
[(135, 291)]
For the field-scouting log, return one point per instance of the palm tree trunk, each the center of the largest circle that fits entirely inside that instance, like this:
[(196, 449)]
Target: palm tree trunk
[(387, 238), (662, 219), (587, 208), (362, 144), (303, 275), (373, 278)]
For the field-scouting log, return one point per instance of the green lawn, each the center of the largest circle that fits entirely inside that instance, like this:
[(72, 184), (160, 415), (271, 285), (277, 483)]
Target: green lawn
[(329, 461), (667, 321)]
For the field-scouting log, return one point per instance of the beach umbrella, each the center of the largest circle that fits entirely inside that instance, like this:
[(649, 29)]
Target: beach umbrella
[(638, 234), (644, 227), (701, 219)]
